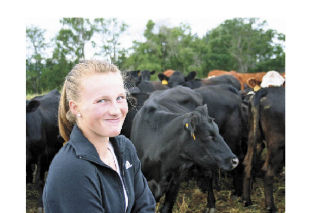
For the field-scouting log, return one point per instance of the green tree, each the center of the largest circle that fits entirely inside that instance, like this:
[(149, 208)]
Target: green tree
[(169, 48), (241, 44), (35, 62), (110, 31), (71, 39), (145, 55), (69, 49)]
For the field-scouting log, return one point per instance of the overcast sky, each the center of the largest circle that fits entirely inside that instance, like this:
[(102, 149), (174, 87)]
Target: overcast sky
[(199, 25)]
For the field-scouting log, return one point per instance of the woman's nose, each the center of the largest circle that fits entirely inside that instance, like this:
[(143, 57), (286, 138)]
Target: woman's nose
[(114, 109)]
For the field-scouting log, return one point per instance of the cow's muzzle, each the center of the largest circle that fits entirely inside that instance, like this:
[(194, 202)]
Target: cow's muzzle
[(234, 162)]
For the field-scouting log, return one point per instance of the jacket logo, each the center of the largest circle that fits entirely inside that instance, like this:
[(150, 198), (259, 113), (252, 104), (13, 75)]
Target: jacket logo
[(128, 165)]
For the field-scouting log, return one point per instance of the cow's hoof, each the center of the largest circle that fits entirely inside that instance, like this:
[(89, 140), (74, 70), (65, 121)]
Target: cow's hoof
[(40, 210), (247, 203), (210, 210), (272, 209)]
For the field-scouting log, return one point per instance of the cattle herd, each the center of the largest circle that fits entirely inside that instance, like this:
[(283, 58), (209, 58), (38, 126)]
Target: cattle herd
[(185, 129)]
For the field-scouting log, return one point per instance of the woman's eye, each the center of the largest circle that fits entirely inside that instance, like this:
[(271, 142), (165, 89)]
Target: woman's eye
[(101, 101), (120, 98)]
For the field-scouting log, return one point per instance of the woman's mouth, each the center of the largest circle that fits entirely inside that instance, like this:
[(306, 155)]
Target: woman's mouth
[(113, 120)]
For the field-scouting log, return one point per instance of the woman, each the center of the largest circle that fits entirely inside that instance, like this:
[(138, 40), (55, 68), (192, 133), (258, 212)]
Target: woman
[(96, 170)]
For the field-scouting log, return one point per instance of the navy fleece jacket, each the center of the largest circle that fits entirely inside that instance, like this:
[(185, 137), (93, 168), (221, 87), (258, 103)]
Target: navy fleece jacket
[(78, 181)]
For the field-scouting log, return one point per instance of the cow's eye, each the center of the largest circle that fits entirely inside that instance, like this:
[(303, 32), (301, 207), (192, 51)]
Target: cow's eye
[(210, 138)]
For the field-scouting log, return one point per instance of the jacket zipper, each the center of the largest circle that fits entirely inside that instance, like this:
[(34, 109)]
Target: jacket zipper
[(124, 183), (119, 178)]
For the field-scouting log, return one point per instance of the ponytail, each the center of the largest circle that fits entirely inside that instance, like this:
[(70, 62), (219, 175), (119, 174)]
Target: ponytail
[(64, 116)]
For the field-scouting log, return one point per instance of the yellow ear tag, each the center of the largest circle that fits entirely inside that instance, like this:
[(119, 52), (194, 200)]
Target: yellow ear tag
[(256, 88), (194, 137), (164, 82), (187, 125)]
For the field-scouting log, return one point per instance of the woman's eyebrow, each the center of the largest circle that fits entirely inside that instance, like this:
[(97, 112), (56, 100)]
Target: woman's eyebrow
[(109, 97)]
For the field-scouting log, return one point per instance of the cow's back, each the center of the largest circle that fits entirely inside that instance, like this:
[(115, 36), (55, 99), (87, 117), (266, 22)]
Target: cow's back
[(272, 112)]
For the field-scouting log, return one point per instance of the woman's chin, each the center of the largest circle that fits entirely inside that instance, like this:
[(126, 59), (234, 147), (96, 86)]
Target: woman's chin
[(114, 133)]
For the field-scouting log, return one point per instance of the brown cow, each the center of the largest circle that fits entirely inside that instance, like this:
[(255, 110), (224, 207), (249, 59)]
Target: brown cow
[(266, 126), (253, 80), (215, 73), (242, 77), (168, 73), (256, 81)]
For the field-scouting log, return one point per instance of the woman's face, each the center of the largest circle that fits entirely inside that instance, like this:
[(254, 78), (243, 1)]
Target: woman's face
[(103, 105)]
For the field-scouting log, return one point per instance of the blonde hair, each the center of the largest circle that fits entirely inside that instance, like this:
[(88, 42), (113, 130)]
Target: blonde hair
[(71, 91)]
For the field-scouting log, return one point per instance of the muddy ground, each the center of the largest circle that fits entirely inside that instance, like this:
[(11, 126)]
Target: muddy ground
[(192, 200)]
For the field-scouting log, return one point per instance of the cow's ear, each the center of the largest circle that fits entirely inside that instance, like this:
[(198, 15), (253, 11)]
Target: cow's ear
[(190, 76), (152, 72), (134, 73), (252, 82), (203, 109), (162, 77), (189, 124), (134, 90), (33, 105)]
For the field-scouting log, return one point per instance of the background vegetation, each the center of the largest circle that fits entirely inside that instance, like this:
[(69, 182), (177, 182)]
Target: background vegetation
[(241, 44)]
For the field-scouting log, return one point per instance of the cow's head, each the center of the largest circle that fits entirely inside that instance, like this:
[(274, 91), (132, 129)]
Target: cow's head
[(32, 105), (146, 75), (204, 145), (163, 78), (254, 83), (132, 78), (176, 79)]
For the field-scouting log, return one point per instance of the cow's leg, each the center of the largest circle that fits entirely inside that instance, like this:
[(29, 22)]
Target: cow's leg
[(29, 173), (211, 201), (41, 169), (237, 176), (247, 175), (171, 196), (155, 189), (268, 191), (274, 162)]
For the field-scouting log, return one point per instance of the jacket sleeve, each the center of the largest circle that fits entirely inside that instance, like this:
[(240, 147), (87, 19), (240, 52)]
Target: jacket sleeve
[(144, 200), (71, 189)]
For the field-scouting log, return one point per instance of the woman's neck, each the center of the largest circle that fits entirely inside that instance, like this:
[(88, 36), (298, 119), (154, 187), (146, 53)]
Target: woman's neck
[(99, 142)]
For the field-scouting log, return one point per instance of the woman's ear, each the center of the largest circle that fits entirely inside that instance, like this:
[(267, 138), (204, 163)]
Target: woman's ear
[(73, 107)]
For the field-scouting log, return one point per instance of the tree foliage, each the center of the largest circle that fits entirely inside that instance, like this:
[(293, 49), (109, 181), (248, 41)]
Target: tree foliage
[(74, 36), (110, 31), (35, 60), (165, 48), (241, 44)]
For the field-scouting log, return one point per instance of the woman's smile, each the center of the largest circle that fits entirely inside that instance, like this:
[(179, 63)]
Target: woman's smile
[(113, 120)]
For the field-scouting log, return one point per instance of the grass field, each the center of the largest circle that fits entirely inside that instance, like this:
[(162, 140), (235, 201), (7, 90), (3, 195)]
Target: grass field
[(192, 200), (30, 96)]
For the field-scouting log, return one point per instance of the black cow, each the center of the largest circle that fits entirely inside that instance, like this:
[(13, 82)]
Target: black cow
[(135, 76), (173, 133), (177, 78), (137, 96), (145, 75), (136, 100), (42, 136), (224, 105), (266, 125)]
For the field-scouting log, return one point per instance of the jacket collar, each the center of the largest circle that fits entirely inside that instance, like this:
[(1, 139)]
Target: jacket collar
[(83, 147)]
